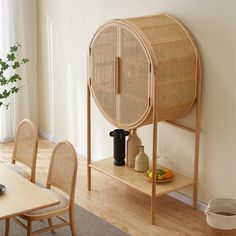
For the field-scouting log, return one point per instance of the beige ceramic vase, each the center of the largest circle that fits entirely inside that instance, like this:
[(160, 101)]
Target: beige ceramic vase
[(133, 146), (141, 161)]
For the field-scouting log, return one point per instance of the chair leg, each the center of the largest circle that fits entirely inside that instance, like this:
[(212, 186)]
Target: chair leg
[(7, 226), (29, 228), (72, 223), (50, 224)]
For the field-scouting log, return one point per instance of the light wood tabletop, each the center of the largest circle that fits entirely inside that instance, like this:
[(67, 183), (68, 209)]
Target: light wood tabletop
[(21, 195)]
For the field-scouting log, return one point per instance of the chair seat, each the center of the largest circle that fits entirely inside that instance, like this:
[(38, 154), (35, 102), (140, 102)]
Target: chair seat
[(18, 170), (48, 210)]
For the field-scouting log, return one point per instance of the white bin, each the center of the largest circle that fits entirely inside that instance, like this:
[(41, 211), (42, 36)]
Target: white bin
[(221, 217)]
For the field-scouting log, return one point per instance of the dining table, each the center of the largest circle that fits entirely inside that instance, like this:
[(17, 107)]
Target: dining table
[(21, 195)]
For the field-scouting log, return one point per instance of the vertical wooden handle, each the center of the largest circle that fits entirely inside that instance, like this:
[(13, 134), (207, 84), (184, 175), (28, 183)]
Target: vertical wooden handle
[(117, 75)]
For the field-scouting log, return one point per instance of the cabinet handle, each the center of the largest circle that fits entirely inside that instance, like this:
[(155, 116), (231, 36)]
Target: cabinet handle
[(117, 75)]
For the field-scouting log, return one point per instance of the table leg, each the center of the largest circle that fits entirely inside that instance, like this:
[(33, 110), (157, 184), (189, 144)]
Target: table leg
[(7, 226)]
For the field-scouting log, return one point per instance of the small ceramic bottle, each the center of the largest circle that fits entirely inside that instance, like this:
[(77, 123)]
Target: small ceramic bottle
[(141, 161), (133, 145)]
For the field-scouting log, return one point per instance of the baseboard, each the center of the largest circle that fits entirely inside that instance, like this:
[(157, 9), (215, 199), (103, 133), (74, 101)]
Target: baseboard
[(187, 200), (80, 152), (46, 135), (7, 140)]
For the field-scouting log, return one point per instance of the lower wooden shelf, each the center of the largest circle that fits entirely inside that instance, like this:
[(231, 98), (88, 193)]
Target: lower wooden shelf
[(137, 180)]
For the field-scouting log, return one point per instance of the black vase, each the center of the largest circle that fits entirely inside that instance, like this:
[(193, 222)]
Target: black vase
[(119, 146)]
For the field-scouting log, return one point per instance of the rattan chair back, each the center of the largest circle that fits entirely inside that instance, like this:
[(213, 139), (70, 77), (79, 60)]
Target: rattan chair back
[(63, 168), (26, 145)]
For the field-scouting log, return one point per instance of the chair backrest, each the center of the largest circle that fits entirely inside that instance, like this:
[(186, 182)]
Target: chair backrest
[(26, 145), (63, 168)]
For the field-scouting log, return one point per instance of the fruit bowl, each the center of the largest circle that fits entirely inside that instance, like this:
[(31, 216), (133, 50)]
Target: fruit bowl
[(162, 175)]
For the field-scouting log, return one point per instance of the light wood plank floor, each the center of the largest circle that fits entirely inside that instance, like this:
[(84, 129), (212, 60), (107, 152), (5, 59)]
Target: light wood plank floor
[(120, 205)]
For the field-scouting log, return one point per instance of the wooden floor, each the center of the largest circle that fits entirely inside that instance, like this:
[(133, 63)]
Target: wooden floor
[(120, 205)]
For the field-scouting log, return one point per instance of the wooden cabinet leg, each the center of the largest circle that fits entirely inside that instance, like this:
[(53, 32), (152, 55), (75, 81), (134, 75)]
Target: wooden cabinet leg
[(153, 210), (154, 155), (194, 202), (89, 178), (197, 136), (196, 157), (88, 139)]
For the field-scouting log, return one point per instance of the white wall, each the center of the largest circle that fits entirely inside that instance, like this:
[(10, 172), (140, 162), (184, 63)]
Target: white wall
[(64, 31)]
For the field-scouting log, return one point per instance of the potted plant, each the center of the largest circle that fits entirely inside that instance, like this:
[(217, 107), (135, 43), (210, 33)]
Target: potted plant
[(9, 75)]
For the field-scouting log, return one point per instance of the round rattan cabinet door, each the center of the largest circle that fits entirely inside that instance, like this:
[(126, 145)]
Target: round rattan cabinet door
[(134, 81), (127, 107), (102, 68)]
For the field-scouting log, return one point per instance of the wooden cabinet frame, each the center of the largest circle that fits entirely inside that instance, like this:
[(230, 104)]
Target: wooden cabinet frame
[(154, 186), (152, 189)]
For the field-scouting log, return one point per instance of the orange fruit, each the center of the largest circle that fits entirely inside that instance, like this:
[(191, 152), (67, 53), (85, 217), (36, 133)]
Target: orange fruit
[(168, 175)]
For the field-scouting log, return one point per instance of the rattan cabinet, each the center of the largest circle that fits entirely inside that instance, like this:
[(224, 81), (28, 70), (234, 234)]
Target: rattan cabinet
[(144, 70)]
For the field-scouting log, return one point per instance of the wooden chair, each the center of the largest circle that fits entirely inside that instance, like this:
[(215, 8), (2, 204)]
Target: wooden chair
[(62, 176), (25, 149)]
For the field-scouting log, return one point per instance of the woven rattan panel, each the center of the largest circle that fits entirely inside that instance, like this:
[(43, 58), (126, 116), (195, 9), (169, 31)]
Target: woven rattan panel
[(62, 168), (146, 50), (104, 50), (176, 62), (134, 92), (25, 144)]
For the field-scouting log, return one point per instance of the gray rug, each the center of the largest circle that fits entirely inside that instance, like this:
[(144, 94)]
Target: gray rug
[(87, 224)]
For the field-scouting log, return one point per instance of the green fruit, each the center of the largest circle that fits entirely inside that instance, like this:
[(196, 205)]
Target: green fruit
[(148, 172), (160, 172)]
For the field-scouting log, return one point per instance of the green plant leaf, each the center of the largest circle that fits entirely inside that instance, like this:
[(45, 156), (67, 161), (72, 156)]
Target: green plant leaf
[(14, 90), (13, 48), (16, 65), (4, 65), (6, 93), (14, 78), (11, 57), (3, 81), (25, 60)]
